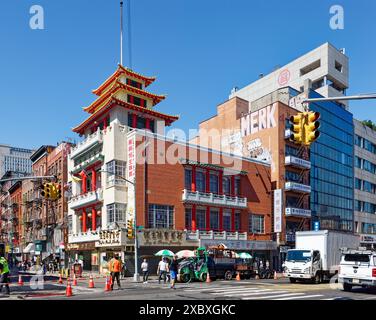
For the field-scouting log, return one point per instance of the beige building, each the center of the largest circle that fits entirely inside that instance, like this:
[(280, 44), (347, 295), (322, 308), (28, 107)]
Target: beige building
[(365, 183)]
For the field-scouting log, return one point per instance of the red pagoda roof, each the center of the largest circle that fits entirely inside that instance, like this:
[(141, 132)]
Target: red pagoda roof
[(116, 86), (111, 102), (121, 70)]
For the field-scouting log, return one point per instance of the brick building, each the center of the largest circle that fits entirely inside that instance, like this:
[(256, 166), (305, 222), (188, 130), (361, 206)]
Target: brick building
[(186, 196)]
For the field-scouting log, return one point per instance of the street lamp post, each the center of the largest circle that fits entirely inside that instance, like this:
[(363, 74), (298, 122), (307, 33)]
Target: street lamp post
[(136, 276)]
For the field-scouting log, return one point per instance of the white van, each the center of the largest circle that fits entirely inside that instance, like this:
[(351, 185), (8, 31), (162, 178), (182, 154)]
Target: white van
[(357, 268)]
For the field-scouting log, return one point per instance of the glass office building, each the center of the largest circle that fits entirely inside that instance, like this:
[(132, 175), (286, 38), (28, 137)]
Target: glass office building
[(332, 171)]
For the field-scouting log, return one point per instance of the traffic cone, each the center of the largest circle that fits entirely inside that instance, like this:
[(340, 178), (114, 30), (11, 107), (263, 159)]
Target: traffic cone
[(74, 280), (91, 282), (60, 279), (68, 291), (275, 275), (238, 276), (110, 281), (208, 280), (20, 281), (107, 286)]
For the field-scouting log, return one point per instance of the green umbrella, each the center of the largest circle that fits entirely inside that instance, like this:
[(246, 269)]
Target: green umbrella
[(164, 253), (244, 255)]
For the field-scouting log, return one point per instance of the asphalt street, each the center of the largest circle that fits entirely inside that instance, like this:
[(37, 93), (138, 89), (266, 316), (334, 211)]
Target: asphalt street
[(280, 289)]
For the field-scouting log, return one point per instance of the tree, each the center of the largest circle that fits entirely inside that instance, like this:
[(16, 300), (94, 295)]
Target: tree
[(369, 124)]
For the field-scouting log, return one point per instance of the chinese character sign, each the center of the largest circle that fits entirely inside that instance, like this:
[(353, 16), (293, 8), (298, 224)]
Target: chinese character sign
[(131, 168), (278, 210)]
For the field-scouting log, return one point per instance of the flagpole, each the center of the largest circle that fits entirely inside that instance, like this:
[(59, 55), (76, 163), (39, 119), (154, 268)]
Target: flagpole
[(121, 32)]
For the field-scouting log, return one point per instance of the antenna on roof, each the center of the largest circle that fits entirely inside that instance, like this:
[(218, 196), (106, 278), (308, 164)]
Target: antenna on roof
[(129, 35), (121, 32)]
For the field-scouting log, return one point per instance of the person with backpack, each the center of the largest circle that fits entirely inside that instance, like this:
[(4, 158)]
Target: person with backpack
[(4, 275)]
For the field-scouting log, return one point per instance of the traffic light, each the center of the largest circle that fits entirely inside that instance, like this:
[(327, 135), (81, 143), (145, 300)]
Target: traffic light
[(296, 127), (310, 128), (130, 228), (58, 191), (46, 191)]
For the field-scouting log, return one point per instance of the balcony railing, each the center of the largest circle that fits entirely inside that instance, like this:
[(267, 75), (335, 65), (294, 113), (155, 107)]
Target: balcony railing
[(86, 199), (297, 187), (297, 162), (85, 163), (214, 199), (297, 212), (215, 235), (87, 144), (84, 237)]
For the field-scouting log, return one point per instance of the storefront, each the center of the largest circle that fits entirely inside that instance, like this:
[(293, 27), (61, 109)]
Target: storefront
[(368, 241), (84, 253), (111, 243)]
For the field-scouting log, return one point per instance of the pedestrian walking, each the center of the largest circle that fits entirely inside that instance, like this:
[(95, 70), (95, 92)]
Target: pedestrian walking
[(145, 270), (4, 278), (123, 269), (115, 269), (173, 267), (162, 270)]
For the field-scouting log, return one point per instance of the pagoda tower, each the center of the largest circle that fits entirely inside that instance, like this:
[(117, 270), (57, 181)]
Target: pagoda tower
[(99, 206)]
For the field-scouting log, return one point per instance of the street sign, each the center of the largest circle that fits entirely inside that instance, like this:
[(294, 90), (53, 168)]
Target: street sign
[(316, 225)]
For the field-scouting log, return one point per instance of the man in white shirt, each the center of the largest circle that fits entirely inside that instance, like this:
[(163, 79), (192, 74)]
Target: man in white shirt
[(145, 270), (162, 270)]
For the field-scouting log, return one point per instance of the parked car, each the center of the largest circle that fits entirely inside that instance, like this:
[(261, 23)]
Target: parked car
[(357, 268)]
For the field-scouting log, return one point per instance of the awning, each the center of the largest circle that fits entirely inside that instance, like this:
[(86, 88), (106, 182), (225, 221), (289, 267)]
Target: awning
[(30, 247)]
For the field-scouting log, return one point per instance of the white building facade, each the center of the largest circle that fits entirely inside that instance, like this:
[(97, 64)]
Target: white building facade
[(14, 159), (326, 66), (365, 184)]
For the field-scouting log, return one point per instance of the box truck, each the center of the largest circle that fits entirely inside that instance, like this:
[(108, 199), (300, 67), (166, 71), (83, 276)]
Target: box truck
[(317, 254)]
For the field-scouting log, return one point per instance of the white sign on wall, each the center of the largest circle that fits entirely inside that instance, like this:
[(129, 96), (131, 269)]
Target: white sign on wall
[(278, 210), (259, 120), (131, 174)]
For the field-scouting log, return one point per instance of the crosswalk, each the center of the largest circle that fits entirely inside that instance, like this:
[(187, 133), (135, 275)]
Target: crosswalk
[(244, 292)]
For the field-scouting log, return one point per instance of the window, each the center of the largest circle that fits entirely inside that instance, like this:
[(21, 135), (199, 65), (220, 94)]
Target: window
[(237, 186), (338, 66), (161, 216), (70, 224), (200, 181), (358, 184), (141, 123), (188, 218), (137, 101), (227, 220), (226, 183), (237, 221), (358, 162), (116, 212), (188, 178), (318, 84), (358, 141), (214, 220), (115, 170), (368, 186), (214, 183), (134, 83), (256, 224), (201, 219), (310, 67)]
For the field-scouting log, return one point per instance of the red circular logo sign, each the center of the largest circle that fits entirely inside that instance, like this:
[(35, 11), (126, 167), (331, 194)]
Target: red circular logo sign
[(284, 77)]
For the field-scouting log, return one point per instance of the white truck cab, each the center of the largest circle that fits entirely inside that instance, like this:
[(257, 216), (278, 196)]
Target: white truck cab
[(303, 264), (357, 268)]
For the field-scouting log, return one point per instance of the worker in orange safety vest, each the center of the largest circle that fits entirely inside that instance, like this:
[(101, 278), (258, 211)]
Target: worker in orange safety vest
[(114, 267)]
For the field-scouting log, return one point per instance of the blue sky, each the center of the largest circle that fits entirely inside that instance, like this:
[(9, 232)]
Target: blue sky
[(198, 49)]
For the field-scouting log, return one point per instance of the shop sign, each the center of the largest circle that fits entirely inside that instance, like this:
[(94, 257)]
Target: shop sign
[(81, 246), (94, 259), (278, 210), (131, 150), (162, 237), (109, 238), (241, 244), (258, 120)]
